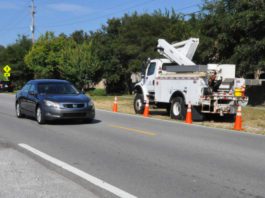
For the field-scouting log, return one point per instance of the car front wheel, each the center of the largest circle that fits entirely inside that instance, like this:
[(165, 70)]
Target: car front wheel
[(39, 116)]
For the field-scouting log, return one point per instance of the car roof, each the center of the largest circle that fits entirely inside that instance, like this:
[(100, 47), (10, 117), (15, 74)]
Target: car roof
[(48, 81)]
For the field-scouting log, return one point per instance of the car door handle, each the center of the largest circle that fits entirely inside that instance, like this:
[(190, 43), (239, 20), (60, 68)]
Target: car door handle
[(153, 82)]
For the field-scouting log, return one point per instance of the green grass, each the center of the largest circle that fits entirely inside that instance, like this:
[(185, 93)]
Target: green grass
[(254, 119), (125, 103)]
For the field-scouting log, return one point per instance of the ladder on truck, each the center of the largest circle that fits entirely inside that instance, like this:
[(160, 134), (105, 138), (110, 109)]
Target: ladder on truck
[(181, 52)]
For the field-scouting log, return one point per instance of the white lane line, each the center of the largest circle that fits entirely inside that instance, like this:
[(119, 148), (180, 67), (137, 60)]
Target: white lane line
[(98, 182)]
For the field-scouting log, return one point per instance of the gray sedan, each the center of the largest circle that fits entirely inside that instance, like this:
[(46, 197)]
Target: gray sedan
[(48, 99)]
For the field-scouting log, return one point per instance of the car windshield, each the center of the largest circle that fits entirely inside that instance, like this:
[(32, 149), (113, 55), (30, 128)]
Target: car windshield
[(56, 88)]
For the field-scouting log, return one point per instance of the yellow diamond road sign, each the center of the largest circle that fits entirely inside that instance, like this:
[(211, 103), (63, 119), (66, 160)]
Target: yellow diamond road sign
[(7, 69), (7, 74)]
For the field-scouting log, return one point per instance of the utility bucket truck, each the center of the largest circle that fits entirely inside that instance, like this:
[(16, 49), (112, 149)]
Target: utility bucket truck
[(175, 81)]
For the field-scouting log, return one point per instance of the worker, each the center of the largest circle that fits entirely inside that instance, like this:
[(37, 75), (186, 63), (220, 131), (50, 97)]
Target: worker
[(213, 83)]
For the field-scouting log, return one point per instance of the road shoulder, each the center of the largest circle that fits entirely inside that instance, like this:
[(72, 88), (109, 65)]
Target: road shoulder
[(21, 176)]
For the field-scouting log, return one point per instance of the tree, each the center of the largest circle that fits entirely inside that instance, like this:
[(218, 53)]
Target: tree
[(63, 58), (127, 42), (44, 58), (80, 64), (13, 55), (232, 32), (79, 36)]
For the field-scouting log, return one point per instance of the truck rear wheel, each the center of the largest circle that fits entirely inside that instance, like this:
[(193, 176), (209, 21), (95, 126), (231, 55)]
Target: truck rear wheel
[(138, 104), (178, 108)]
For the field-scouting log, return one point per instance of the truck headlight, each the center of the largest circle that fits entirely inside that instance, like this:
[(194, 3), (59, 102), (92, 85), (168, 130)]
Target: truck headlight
[(49, 103)]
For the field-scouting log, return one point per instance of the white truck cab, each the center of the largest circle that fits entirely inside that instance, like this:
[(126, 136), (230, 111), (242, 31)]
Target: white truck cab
[(176, 81)]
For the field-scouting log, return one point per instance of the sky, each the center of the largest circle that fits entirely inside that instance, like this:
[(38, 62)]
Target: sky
[(67, 16)]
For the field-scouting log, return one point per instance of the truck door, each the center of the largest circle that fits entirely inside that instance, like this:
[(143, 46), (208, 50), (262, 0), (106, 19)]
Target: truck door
[(150, 77)]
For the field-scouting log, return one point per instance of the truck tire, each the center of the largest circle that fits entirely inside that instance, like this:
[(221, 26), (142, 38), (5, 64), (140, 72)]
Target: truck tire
[(138, 104), (178, 109)]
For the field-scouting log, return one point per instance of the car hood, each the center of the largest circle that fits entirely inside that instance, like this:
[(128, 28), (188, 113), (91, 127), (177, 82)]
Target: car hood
[(67, 98)]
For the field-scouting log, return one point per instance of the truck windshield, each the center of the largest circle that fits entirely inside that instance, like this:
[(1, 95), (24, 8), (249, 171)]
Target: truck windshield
[(56, 88)]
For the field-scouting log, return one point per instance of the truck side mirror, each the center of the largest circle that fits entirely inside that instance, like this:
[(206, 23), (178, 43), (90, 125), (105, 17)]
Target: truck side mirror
[(143, 68)]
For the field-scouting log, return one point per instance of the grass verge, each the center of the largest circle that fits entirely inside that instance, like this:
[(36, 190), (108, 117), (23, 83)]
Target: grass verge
[(253, 118)]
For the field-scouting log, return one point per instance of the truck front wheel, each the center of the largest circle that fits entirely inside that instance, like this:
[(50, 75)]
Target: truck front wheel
[(138, 104), (178, 109)]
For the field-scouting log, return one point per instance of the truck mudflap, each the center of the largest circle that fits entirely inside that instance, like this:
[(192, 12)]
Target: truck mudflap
[(222, 103)]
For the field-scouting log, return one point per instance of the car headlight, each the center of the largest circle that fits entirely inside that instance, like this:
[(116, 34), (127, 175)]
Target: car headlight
[(49, 103), (90, 103)]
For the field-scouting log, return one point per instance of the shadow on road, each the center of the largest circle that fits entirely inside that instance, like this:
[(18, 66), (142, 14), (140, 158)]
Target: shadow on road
[(72, 122), (207, 118), (159, 112), (67, 122)]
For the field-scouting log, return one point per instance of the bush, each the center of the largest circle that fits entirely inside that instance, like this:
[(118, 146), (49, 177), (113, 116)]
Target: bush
[(97, 92)]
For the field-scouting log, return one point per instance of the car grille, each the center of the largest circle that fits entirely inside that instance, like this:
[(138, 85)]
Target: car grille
[(70, 106), (71, 115)]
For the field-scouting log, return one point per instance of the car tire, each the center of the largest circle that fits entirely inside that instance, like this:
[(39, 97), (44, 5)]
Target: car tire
[(39, 115), (18, 110), (138, 104), (178, 109)]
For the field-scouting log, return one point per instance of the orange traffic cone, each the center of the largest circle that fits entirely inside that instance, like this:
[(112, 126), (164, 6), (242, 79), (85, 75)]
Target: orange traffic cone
[(238, 122), (146, 108), (189, 115), (115, 105)]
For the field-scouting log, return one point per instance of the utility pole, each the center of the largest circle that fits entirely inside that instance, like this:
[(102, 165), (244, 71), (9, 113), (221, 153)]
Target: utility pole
[(32, 27)]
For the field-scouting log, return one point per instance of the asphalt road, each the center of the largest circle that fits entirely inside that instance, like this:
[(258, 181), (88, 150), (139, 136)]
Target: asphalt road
[(146, 157)]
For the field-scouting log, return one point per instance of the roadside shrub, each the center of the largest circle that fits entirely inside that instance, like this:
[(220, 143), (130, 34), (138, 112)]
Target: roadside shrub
[(97, 92)]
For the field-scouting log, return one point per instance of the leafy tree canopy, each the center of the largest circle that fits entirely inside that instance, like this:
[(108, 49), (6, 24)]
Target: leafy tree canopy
[(62, 57), (13, 55), (230, 32)]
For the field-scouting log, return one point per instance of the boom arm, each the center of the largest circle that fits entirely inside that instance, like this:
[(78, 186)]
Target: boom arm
[(181, 52)]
